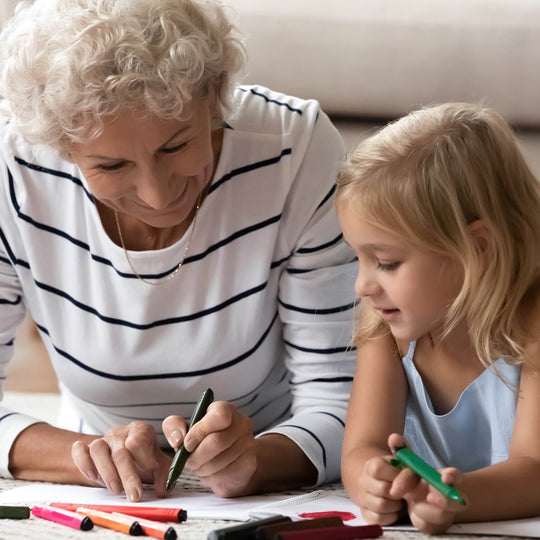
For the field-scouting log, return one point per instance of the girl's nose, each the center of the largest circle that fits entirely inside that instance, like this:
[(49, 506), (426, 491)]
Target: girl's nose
[(365, 284)]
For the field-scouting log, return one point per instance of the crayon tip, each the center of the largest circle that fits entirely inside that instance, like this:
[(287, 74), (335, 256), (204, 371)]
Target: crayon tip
[(170, 534), (87, 524)]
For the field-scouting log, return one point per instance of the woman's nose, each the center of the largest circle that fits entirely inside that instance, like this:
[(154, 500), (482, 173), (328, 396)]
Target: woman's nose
[(155, 190)]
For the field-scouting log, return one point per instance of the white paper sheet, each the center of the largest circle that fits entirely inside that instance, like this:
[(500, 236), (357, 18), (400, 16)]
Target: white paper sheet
[(209, 506)]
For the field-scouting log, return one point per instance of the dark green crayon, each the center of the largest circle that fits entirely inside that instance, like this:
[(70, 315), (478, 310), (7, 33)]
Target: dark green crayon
[(14, 512), (406, 457), (180, 458)]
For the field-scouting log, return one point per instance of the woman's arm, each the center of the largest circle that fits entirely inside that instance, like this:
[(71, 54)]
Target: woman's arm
[(43, 452)]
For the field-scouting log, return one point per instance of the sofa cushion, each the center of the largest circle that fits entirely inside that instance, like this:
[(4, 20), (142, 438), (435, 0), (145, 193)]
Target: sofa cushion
[(382, 58)]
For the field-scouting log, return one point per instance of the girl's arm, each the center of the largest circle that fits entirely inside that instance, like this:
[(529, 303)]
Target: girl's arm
[(509, 490), (377, 408)]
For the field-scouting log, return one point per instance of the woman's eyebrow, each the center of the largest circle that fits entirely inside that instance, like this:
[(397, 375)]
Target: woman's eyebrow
[(172, 137)]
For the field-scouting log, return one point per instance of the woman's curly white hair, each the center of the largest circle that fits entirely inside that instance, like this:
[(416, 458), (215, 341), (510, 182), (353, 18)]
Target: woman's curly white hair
[(67, 64)]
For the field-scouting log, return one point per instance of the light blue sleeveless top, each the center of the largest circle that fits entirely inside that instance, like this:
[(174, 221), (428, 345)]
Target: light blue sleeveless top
[(476, 432)]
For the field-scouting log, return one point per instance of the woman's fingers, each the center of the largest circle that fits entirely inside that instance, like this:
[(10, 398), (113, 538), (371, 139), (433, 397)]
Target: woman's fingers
[(80, 454), (100, 453), (124, 458), (174, 428)]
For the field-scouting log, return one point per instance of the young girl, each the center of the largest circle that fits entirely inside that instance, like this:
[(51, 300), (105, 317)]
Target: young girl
[(444, 216)]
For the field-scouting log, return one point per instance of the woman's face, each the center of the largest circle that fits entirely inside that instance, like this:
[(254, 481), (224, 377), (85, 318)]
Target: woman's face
[(151, 169)]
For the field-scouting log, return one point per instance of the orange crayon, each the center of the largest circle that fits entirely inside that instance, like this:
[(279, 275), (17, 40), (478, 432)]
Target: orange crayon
[(117, 522)]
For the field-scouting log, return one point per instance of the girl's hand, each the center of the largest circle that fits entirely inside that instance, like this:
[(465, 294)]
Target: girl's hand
[(222, 447), (429, 510), (373, 496), (124, 458)]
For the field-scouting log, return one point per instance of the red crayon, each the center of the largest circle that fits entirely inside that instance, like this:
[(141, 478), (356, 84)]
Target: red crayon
[(153, 513), (345, 532), (64, 517), (156, 529)]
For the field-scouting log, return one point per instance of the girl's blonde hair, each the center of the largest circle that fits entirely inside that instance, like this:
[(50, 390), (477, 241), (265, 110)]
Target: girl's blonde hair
[(66, 64), (426, 178)]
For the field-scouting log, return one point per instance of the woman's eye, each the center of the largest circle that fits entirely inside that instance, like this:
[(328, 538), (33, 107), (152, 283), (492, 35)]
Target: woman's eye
[(387, 267), (173, 149), (113, 167)]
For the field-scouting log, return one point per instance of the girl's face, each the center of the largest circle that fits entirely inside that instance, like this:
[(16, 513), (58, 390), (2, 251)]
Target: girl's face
[(410, 289), (149, 168)]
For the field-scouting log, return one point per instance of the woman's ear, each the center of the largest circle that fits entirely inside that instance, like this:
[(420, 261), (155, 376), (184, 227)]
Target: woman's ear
[(483, 241), (213, 96)]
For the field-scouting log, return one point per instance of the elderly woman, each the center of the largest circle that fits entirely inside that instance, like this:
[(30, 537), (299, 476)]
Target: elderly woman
[(168, 232)]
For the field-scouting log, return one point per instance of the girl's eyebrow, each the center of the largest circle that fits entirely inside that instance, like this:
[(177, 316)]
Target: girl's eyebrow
[(171, 138)]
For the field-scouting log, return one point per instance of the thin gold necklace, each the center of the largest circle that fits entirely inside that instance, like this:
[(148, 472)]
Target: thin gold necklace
[(176, 270)]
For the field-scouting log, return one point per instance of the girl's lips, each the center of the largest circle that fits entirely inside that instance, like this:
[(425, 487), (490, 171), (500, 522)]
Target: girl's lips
[(389, 314)]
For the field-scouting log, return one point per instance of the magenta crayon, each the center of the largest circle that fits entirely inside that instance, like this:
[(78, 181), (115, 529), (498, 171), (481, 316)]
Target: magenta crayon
[(63, 517)]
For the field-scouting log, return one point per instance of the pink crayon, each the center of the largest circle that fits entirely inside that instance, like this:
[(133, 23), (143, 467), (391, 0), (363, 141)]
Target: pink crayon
[(64, 517)]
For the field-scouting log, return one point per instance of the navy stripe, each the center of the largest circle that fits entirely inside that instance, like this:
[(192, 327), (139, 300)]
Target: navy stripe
[(319, 311), (9, 343), (250, 167), (299, 270), (37, 224), (59, 174), (234, 236), (173, 375), (153, 324), (328, 195), (103, 260), (5, 260), (14, 303), (280, 261), (14, 260), (320, 351), (6, 415), (332, 380), (321, 247), (313, 435), (268, 100), (333, 416)]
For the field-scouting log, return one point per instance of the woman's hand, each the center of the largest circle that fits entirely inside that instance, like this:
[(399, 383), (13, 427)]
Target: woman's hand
[(429, 510), (124, 458), (222, 447), (373, 493)]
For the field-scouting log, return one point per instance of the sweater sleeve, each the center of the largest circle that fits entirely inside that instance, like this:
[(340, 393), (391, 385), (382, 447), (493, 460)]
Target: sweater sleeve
[(12, 312), (316, 306)]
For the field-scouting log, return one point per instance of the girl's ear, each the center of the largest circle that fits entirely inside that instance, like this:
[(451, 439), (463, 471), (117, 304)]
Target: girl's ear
[(483, 241)]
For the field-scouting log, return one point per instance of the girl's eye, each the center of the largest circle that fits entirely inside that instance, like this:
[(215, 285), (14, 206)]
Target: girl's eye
[(173, 149), (387, 267)]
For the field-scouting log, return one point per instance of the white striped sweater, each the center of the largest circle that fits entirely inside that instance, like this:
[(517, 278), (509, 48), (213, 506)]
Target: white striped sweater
[(260, 311)]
